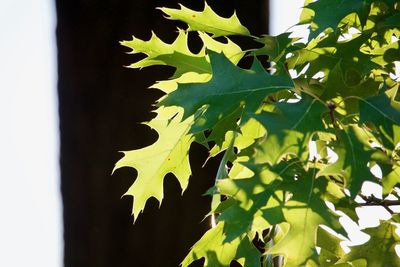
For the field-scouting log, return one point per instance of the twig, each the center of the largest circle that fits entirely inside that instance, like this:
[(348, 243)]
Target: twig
[(374, 201)]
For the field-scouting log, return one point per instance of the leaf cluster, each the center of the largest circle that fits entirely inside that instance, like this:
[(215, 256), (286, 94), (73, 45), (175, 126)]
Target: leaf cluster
[(298, 133)]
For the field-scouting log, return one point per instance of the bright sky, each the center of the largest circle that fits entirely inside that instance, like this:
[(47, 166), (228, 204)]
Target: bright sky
[(30, 222), (283, 15)]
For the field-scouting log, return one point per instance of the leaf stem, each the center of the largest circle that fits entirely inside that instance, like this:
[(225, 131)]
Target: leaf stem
[(222, 172)]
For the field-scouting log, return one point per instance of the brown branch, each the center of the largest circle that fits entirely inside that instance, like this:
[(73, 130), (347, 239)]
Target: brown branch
[(332, 107), (374, 201)]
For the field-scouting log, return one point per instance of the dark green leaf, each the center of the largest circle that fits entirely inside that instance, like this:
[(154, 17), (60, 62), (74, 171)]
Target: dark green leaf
[(354, 152), (231, 85), (384, 112), (290, 128)]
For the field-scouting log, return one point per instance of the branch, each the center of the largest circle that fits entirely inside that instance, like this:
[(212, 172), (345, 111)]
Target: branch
[(374, 201)]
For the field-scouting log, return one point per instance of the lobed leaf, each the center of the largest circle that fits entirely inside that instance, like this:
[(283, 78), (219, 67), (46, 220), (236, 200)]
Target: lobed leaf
[(274, 46), (219, 253), (379, 251), (231, 85), (354, 154), (207, 21), (290, 128), (384, 112), (331, 251), (176, 54), (334, 95), (305, 211), (325, 18), (169, 154)]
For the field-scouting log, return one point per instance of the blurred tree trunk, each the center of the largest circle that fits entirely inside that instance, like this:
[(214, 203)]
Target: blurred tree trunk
[(100, 106)]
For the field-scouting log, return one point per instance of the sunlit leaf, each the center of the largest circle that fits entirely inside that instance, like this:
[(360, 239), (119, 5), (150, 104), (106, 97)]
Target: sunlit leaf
[(298, 133), (324, 17), (176, 54), (290, 128), (305, 211), (219, 253), (354, 154), (207, 21), (169, 154), (379, 251), (231, 85)]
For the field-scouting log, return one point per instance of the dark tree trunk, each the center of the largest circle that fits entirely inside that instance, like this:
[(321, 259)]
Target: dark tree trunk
[(100, 106)]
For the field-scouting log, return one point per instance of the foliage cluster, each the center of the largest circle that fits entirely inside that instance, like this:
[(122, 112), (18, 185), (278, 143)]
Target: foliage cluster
[(298, 133)]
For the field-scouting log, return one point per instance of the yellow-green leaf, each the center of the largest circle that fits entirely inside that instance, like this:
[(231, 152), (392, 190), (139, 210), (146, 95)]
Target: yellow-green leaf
[(169, 154), (379, 251), (207, 21), (219, 253), (176, 54)]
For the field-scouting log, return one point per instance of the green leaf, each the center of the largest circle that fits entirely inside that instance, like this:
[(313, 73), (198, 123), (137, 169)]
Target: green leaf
[(207, 21), (305, 211), (259, 203), (340, 86), (264, 122), (251, 195), (290, 128), (274, 46), (335, 194), (356, 263), (219, 253), (231, 85), (324, 53), (232, 51), (390, 180), (354, 154), (329, 13), (176, 54), (379, 251), (249, 133), (167, 86), (331, 251), (392, 21), (384, 112), (385, 54), (169, 154)]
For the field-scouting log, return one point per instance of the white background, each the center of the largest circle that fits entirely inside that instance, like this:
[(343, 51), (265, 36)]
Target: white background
[(30, 207)]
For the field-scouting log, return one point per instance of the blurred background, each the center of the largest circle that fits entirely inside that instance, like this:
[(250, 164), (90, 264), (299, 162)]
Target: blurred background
[(67, 106)]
